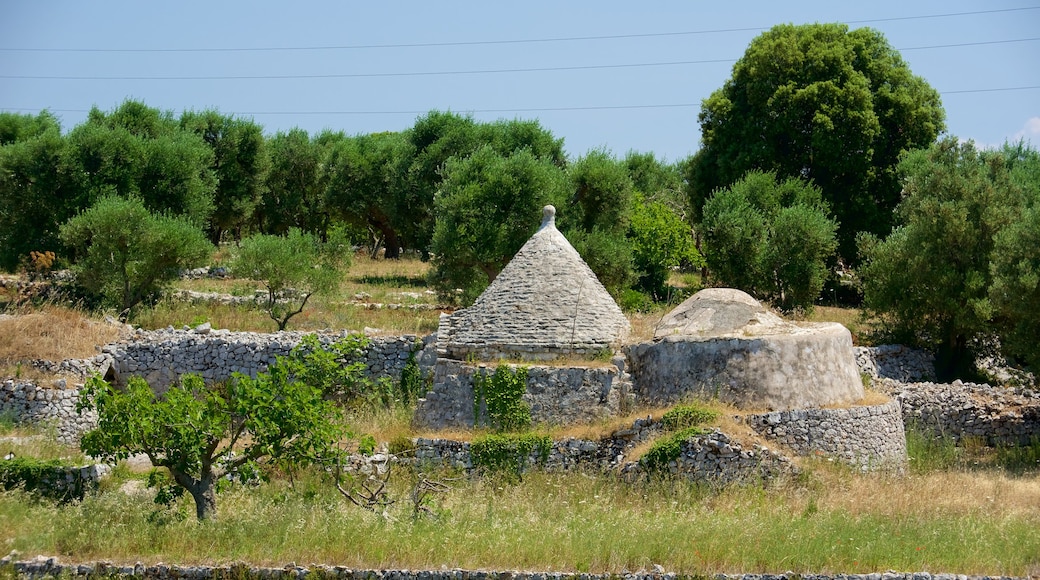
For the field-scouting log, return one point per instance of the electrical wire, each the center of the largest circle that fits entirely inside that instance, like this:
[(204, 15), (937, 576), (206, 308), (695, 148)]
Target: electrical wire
[(494, 42)]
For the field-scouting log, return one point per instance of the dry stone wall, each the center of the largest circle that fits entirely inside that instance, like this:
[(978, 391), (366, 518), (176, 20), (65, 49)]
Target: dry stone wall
[(868, 437), (53, 407), (992, 414), (50, 567), (162, 356), (556, 395)]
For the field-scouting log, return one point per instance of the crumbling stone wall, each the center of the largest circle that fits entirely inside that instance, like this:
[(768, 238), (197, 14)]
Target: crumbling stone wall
[(992, 414)]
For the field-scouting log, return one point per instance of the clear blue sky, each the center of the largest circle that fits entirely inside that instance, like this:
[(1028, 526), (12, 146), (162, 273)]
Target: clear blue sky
[(999, 50)]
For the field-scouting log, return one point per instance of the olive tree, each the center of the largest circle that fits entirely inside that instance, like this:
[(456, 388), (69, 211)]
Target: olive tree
[(770, 238), (960, 223), (125, 255), (487, 208), (292, 268)]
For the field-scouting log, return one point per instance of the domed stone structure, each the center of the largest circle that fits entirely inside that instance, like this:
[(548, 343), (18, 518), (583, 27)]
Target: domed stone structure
[(721, 343), (546, 303)]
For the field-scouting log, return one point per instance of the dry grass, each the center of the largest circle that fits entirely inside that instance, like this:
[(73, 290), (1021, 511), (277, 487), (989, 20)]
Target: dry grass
[(53, 333)]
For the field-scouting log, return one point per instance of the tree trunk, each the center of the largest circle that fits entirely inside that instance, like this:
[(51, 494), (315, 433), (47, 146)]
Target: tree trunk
[(202, 490)]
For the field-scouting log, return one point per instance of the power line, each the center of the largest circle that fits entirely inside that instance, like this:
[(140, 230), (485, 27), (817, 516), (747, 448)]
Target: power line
[(445, 73), (514, 110), (494, 42)]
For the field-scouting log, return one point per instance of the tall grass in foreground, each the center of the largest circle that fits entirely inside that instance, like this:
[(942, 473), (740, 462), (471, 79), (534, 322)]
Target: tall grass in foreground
[(831, 520)]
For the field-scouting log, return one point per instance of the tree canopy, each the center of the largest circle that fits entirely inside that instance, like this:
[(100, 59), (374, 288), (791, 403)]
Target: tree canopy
[(823, 103), (961, 266)]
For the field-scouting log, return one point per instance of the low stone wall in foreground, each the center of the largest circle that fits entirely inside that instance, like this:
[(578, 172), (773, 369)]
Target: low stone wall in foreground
[(44, 567)]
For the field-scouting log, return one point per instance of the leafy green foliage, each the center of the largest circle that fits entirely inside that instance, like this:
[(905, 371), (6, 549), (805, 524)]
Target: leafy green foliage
[(681, 423), (661, 241), (509, 452), (487, 208), (292, 268), (962, 219), (336, 369), (126, 255), (52, 479), (818, 102), (202, 434), (771, 239), (500, 394), (240, 164), (293, 196), (37, 194), (16, 127)]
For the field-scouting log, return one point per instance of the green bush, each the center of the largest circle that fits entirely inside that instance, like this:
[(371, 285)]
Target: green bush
[(125, 255), (667, 449), (685, 416), (509, 452)]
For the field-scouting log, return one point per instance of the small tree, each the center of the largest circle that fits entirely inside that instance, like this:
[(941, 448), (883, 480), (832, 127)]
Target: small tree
[(203, 434), (125, 255), (292, 268)]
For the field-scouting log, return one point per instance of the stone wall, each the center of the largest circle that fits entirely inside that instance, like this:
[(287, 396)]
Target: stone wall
[(994, 415), (50, 567), (868, 437), (556, 395), (62, 482), (895, 361), (162, 356), (713, 457), (52, 407)]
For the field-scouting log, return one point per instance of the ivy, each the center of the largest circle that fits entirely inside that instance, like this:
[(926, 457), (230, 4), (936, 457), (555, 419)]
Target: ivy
[(501, 395), (509, 452)]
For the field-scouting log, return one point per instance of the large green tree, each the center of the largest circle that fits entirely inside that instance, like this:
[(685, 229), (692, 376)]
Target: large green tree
[(138, 151), (37, 193), (362, 188), (487, 208), (15, 127), (824, 103), (293, 196), (961, 222)]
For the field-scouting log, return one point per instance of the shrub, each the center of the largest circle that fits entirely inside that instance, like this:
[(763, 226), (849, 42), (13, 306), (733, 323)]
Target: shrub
[(125, 255), (685, 416)]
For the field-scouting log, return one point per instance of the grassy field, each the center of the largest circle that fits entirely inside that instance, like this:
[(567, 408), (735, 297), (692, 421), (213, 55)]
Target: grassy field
[(967, 510)]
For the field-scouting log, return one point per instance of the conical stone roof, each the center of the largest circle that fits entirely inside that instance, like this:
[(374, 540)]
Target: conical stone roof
[(545, 303)]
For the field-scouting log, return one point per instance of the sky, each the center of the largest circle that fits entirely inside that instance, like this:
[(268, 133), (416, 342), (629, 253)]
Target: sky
[(619, 76)]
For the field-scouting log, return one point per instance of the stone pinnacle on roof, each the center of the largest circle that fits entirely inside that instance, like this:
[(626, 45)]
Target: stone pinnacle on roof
[(545, 303)]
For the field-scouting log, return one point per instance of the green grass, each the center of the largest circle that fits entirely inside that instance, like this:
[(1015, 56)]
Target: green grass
[(568, 522)]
